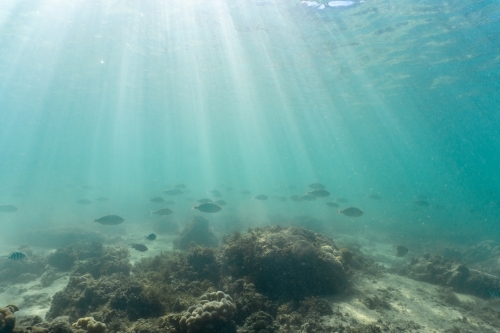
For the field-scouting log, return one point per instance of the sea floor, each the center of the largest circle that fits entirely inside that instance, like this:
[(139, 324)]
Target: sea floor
[(389, 301)]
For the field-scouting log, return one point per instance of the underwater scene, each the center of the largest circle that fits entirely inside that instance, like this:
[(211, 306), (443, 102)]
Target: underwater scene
[(249, 166)]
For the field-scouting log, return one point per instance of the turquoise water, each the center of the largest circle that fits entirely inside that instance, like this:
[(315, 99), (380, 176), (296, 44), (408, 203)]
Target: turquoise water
[(125, 99)]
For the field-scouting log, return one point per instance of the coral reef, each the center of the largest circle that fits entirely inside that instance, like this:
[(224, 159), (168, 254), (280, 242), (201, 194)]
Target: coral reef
[(440, 271), (99, 260), (25, 270), (106, 298), (90, 325), (7, 319), (213, 313), (64, 258), (286, 262), (259, 322), (196, 232)]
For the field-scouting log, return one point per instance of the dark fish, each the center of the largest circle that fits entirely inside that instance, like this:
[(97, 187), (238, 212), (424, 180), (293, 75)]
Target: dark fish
[(157, 200), (162, 212), (351, 212), (280, 198), (332, 204), (204, 200), (180, 186), (229, 188), (438, 207), (170, 202), (319, 193), (295, 198), (102, 199), (246, 192), (220, 203), (8, 208), (151, 237), (374, 196), (316, 186), (174, 191), (17, 256), (215, 193), (261, 197), (401, 250), (341, 200), (140, 247), (83, 202), (208, 207), (308, 197), (110, 220), (421, 203)]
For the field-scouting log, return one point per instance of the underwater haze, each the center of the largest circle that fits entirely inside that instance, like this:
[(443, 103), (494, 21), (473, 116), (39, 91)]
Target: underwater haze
[(392, 105)]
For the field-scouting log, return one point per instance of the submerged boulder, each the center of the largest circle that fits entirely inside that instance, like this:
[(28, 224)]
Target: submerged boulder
[(289, 263), (196, 232)]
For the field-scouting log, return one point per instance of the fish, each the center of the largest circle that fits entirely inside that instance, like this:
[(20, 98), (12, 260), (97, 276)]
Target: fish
[(374, 196), (110, 220), (319, 193), (332, 204), (246, 192), (102, 199), (180, 186), (208, 207), (157, 200), (229, 188), (16, 256), (220, 203), (162, 212), (295, 198), (342, 200), (140, 247), (308, 197), (261, 197), (204, 200), (215, 193), (401, 250), (421, 203), (8, 208), (151, 237), (174, 191), (351, 212), (280, 198), (170, 202), (83, 202), (316, 186)]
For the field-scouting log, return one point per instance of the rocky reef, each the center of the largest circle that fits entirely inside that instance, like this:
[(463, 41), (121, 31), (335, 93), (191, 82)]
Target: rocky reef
[(197, 232), (188, 291), (438, 270), (289, 263), (7, 318), (213, 313), (90, 325), (25, 270)]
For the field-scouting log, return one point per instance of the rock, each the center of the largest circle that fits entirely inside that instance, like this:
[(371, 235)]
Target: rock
[(287, 263), (197, 232), (7, 319), (448, 273), (60, 325), (90, 325), (212, 314)]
